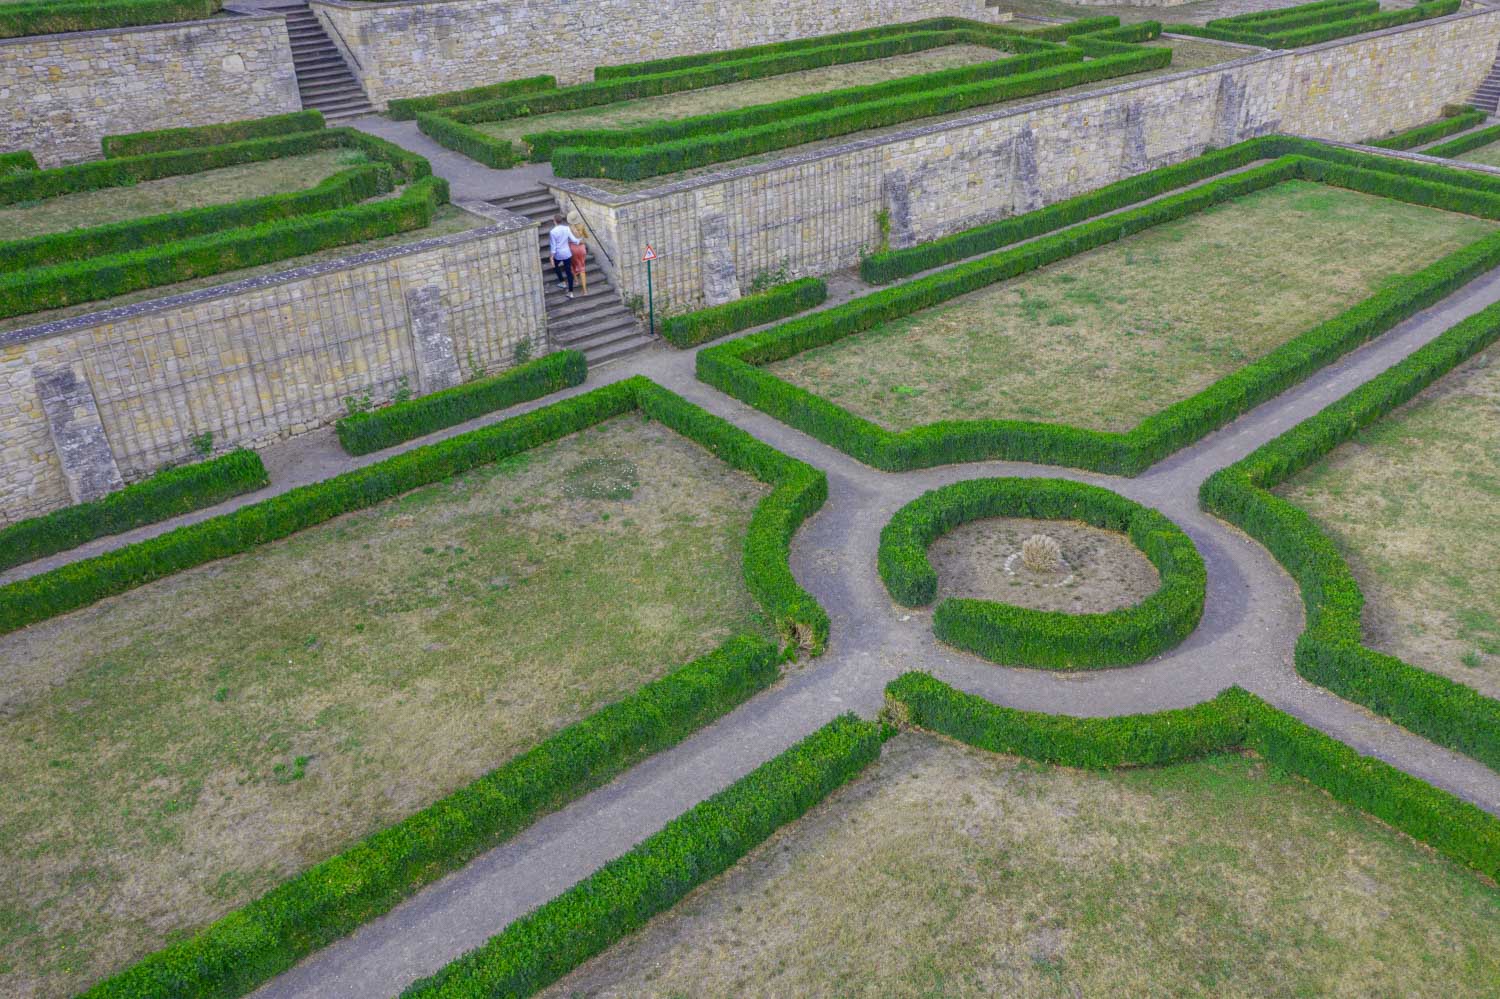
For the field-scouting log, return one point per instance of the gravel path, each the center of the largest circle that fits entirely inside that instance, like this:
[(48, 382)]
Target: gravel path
[(1251, 622)]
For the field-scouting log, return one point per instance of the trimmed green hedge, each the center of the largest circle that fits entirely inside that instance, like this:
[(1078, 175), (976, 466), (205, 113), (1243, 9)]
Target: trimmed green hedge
[(693, 328), (1233, 720), (736, 367), (165, 495), (331, 899), (407, 108), (673, 64), (97, 278), (343, 189), (1465, 143), (242, 950), (1016, 635), (1293, 27), (17, 162), (1455, 119), (124, 170), (47, 17), (362, 433), (498, 154), (620, 897), (717, 144), (1330, 652), (144, 143)]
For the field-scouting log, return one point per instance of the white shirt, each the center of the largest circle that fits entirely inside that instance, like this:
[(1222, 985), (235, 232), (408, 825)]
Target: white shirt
[(561, 236)]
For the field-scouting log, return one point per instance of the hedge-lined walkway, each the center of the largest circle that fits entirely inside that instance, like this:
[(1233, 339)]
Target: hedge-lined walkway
[(1251, 621)]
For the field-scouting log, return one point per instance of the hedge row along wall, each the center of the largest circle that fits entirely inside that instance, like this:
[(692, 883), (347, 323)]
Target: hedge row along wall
[(242, 950), (374, 430), (1465, 143), (17, 162), (1293, 27), (693, 328), (619, 898), (48, 17), (623, 895), (99, 262), (737, 368), (1233, 720), (161, 140), (1012, 635), (165, 495), (1330, 652), (1454, 119), (1039, 66)]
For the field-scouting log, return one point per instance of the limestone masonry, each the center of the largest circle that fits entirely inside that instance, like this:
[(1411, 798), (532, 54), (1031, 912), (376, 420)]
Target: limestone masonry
[(59, 94), (816, 213), (406, 49), (85, 402)]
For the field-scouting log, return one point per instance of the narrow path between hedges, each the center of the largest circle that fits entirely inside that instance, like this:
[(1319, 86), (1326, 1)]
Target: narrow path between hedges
[(1252, 618), (1251, 621)]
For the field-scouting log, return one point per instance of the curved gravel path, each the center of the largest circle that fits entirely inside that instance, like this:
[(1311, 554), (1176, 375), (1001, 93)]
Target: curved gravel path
[(1251, 621)]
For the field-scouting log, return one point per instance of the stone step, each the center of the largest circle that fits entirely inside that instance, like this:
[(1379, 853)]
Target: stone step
[(617, 350), (575, 327), (590, 345)]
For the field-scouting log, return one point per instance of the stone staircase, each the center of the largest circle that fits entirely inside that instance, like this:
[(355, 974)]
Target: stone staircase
[(323, 78), (1488, 95), (597, 323)]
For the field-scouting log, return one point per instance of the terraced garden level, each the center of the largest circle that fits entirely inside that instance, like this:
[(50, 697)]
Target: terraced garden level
[(1108, 337), (947, 871), (1488, 155), (177, 750), (1413, 504)]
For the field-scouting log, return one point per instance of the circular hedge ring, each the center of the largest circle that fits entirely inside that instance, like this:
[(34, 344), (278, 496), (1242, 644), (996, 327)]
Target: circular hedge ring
[(1012, 635)]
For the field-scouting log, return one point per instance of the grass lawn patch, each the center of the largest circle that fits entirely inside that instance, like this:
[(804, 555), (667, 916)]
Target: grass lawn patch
[(730, 96), (944, 870), (174, 194), (1488, 155), (1110, 336), (177, 750), (1413, 503)]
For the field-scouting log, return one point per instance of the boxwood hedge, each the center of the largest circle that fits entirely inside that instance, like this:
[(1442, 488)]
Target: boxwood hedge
[(1330, 651), (1293, 27), (163, 496), (693, 328), (373, 430), (47, 17), (407, 108), (624, 894), (1465, 143), (737, 368), (1233, 720), (16, 162), (1016, 635), (162, 140), (235, 954), (1454, 119)]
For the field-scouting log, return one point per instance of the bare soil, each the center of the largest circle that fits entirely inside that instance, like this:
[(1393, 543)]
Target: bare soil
[(1103, 571), (171, 753), (945, 871)]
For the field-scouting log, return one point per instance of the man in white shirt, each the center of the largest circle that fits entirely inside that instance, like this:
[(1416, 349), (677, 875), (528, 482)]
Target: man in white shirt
[(562, 239)]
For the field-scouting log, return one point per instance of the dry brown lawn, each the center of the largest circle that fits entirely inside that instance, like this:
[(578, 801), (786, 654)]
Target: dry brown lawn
[(171, 753), (946, 871)]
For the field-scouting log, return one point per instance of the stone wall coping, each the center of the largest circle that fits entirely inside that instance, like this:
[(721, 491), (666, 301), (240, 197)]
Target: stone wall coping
[(615, 200), (503, 222), (199, 25)]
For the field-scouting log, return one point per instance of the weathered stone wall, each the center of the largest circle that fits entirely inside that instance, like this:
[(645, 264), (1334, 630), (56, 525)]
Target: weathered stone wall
[(817, 213), (415, 47), (257, 360), (59, 94)]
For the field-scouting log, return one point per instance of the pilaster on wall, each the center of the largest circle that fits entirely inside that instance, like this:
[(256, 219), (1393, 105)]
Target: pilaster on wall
[(83, 451), (720, 282), (1026, 178), (436, 360)]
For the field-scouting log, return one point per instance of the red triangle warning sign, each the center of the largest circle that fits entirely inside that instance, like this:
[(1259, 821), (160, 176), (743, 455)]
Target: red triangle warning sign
[(650, 254)]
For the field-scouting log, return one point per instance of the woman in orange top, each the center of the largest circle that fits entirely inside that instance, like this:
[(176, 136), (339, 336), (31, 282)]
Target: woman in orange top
[(580, 261)]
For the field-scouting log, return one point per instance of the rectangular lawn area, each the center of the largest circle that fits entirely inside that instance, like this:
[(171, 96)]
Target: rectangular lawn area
[(1110, 336), (1413, 503), (947, 871), (1488, 155), (171, 753)]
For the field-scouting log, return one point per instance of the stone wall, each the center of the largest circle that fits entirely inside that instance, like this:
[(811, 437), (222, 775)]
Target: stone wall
[(414, 47), (87, 402), (59, 94), (817, 213)]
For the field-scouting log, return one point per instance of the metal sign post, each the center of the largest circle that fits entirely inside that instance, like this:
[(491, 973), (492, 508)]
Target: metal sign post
[(649, 256)]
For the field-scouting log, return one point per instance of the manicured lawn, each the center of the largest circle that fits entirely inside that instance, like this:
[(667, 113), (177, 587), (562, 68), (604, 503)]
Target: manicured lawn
[(1110, 336), (1488, 155), (171, 753), (173, 194), (945, 871), (746, 93), (1414, 504)]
